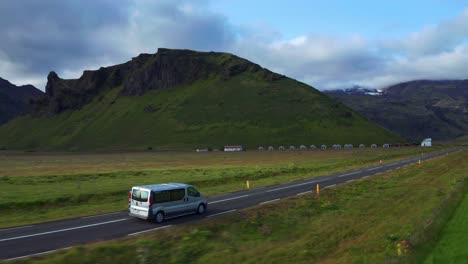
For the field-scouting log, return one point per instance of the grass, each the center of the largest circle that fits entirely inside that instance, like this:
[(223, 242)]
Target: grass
[(452, 245), (359, 222), (38, 187), (245, 109)]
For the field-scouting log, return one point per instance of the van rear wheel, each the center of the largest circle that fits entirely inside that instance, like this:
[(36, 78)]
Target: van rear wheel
[(201, 209), (159, 217)]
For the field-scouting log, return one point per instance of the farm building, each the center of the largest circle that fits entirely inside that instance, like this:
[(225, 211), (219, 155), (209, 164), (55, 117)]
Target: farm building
[(336, 146), (261, 148), (271, 148), (292, 148), (348, 146), (233, 148), (323, 147), (427, 142), (313, 147), (281, 148), (302, 147), (362, 146), (373, 146), (385, 146)]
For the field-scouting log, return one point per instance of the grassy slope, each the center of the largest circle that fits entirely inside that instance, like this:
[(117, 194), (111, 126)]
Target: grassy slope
[(36, 187), (359, 222), (210, 113), (452, 246)]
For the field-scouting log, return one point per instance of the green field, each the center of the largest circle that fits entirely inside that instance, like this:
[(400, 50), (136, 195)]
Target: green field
[(453, 244), (359, 222), (37, 187)]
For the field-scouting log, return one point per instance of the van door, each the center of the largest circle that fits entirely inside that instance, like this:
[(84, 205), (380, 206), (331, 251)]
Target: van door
[(177, 203), (140, 202), (193, 198)]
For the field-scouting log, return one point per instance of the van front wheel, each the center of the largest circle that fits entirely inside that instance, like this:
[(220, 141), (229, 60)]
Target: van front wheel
[(201, 209), (159, 217)]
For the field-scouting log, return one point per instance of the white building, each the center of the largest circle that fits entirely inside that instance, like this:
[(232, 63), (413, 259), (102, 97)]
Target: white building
[(427, 142), (233, 148)]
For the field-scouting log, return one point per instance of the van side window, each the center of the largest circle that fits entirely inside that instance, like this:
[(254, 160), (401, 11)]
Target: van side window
[(193, 192), (162, 197), (177, 194)]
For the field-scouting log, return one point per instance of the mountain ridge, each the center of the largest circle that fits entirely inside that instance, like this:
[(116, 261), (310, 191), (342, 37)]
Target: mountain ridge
[(165, 69), (416, 109), (150, 103), (15, 100)]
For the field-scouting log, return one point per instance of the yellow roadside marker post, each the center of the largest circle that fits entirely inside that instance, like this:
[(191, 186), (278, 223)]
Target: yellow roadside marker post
[(380, 161), (317, 189), (419, 162), (247, 183)]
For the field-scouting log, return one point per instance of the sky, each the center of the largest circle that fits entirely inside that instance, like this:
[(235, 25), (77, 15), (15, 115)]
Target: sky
[(327, 44)]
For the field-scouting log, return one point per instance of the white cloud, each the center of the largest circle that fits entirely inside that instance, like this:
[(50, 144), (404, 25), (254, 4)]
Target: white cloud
[(57, 35)]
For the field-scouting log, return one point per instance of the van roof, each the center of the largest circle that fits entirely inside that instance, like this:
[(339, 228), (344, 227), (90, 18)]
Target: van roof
[(163, 186)]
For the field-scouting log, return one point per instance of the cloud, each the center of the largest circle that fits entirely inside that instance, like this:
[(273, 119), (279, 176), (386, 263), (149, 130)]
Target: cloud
[(71, 36), (329, 61)]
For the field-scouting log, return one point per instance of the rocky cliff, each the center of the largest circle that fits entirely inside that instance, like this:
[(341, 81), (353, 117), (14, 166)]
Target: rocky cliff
[(15, 100), (165, 69)]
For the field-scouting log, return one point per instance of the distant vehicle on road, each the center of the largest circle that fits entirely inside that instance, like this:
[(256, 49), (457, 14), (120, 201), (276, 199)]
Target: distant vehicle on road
[(157, 202)]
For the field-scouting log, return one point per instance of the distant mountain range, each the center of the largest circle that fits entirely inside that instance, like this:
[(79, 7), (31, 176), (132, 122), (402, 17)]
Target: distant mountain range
[(15, 100), (416, 109), (183, 99)]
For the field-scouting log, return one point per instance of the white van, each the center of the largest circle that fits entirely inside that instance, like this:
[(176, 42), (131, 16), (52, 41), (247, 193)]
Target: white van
[(162, 201)]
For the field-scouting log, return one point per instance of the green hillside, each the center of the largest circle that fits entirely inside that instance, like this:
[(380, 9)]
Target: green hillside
[(246, 108)]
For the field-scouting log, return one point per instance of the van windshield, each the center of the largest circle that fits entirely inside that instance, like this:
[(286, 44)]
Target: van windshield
[(139, 195)]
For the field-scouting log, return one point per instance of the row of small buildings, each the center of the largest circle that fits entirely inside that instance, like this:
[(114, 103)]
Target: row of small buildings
[(323, 147), (233, 148)]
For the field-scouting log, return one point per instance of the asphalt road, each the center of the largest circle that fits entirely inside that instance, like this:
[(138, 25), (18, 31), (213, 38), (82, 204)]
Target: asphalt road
[(25, 241)]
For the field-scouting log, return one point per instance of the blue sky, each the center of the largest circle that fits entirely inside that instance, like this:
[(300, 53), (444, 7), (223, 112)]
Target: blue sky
[(366, 17), (327, 44)]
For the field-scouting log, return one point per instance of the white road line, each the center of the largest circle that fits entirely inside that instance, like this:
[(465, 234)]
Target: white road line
[(351, 173), (149, 230), (365, 177), (378, 173), (350, 181), (274, 200), (374, 168), (229, 199), (329, 186), (302, 193), (13, 228), (282, 188), (92, 216), (225, 212), (63, 230), (388, 171), (37, 254)]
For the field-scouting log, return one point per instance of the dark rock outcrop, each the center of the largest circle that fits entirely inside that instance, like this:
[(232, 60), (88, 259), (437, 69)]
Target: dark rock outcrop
[(165, 69), (15, 100)]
